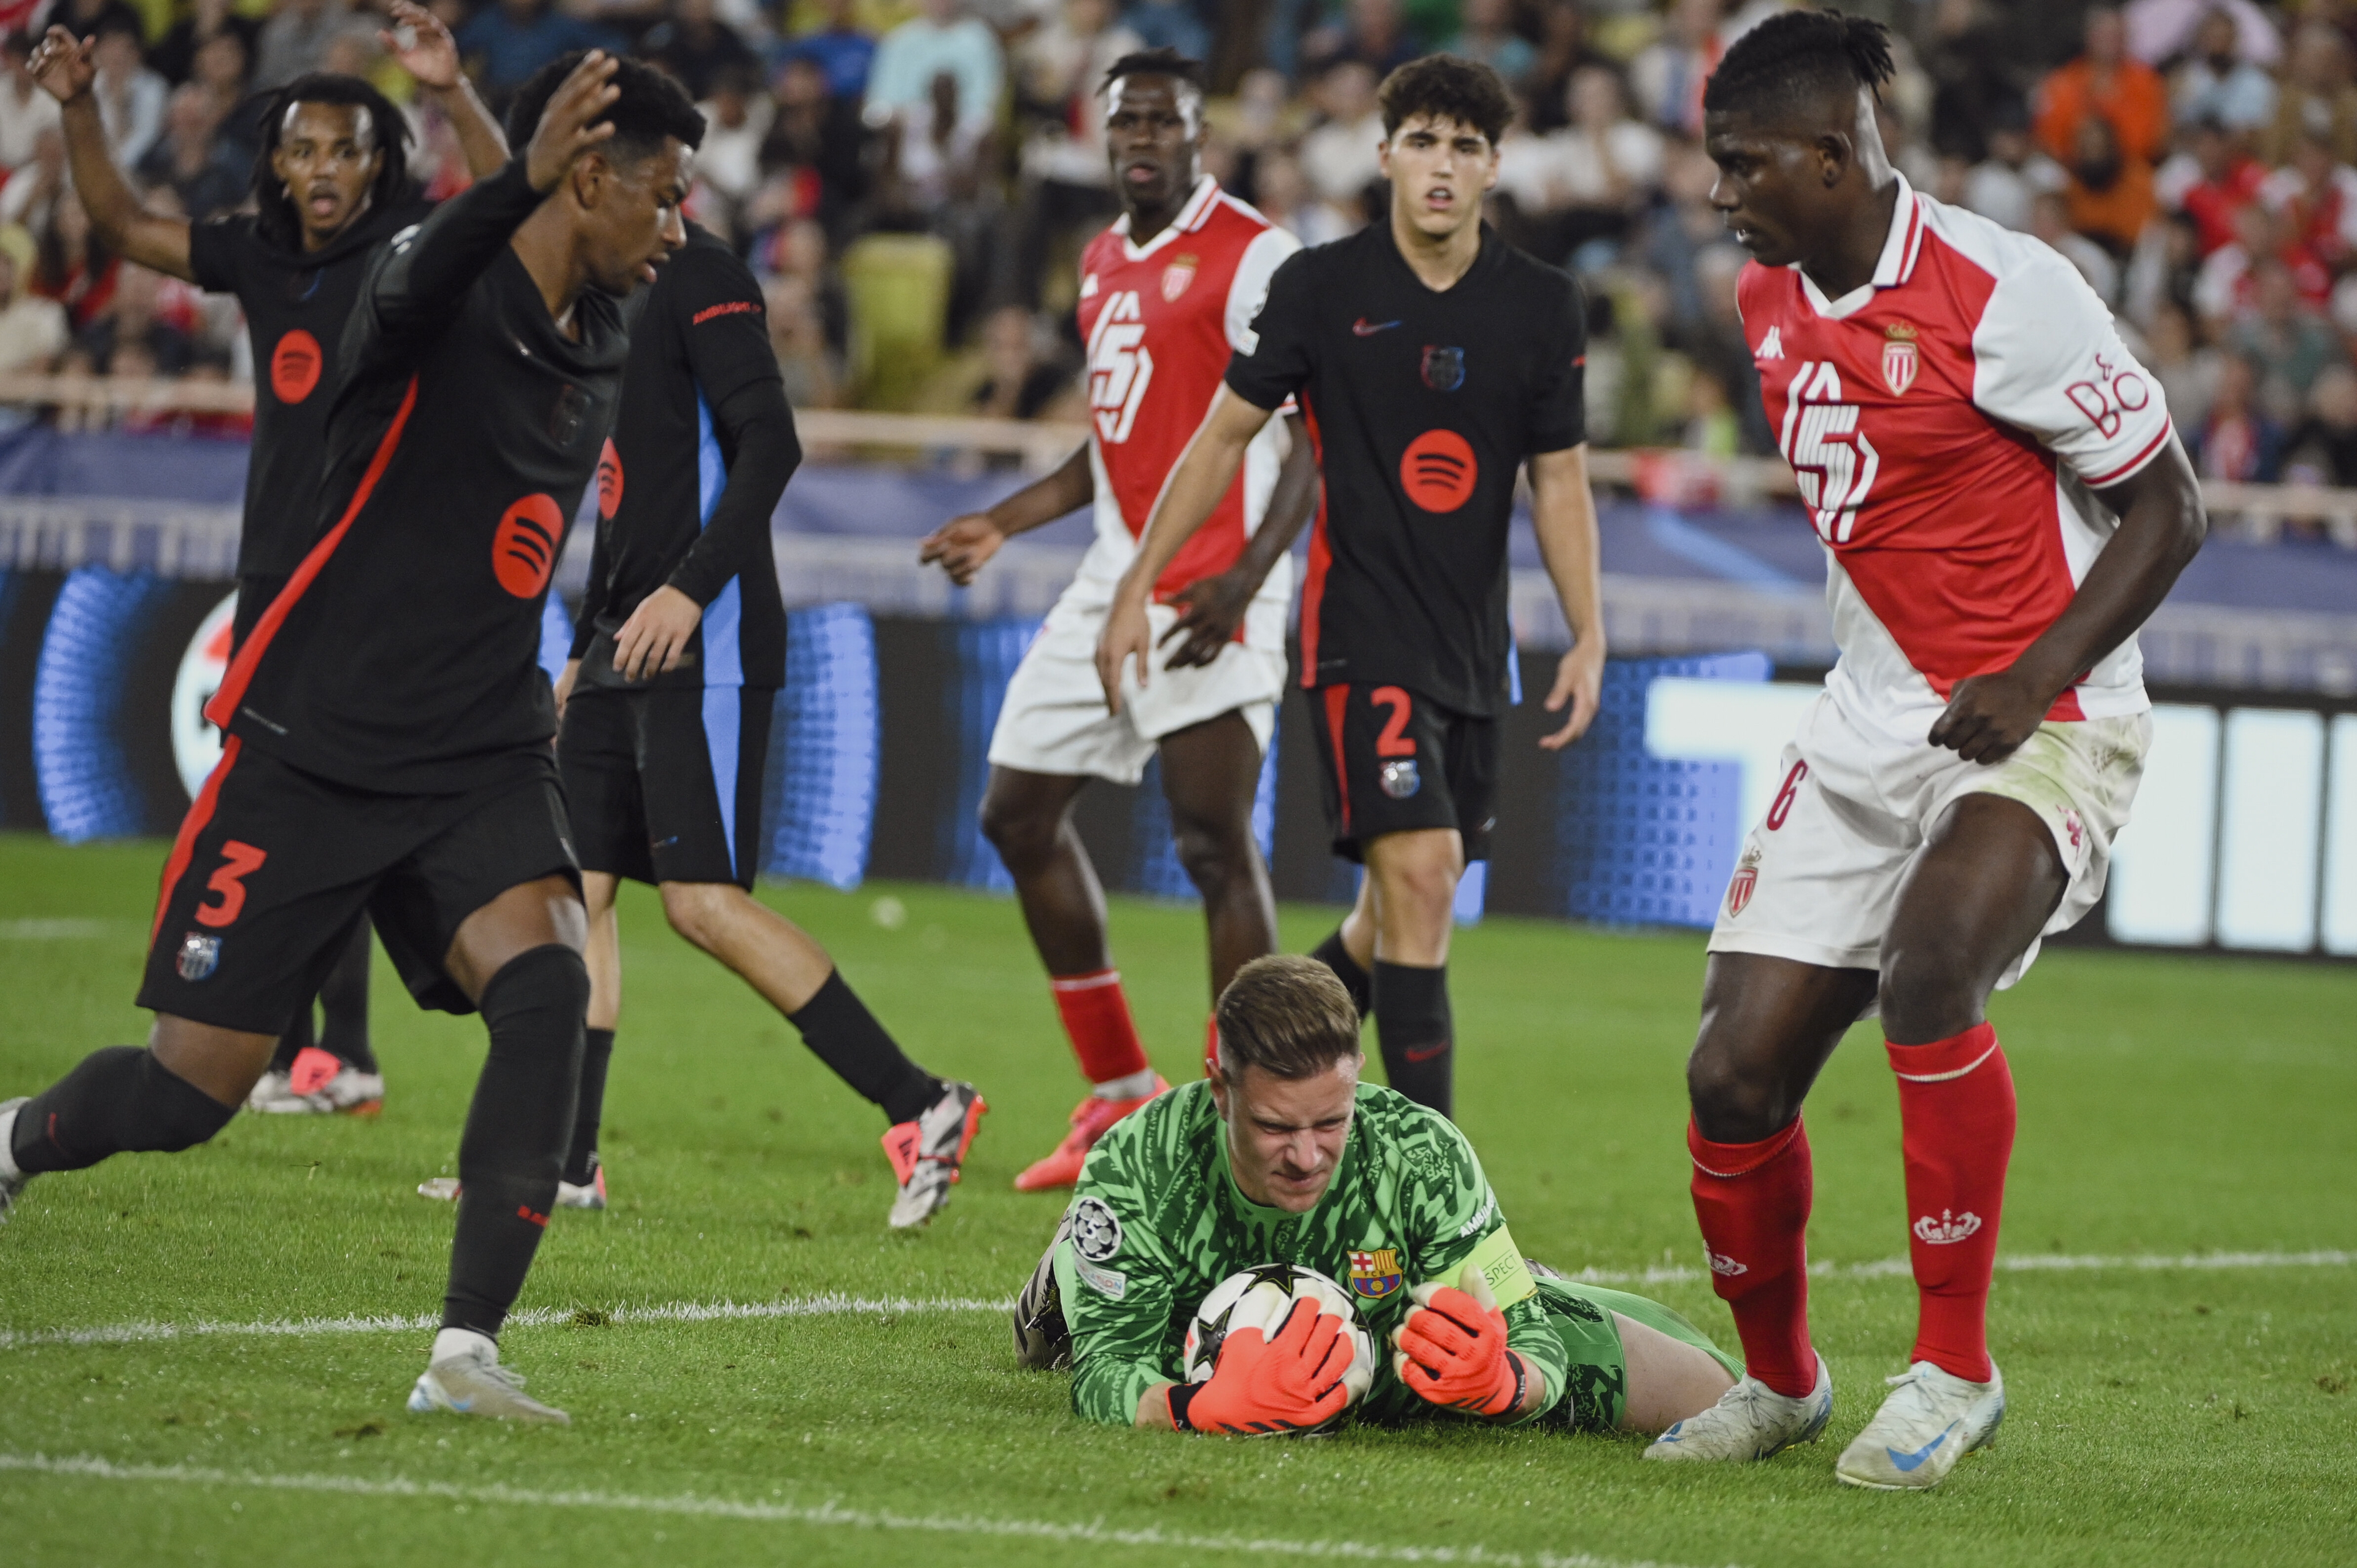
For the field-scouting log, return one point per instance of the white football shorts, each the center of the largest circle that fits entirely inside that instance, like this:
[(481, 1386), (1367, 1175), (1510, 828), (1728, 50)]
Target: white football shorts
[(1818, 878), (1054, 718)]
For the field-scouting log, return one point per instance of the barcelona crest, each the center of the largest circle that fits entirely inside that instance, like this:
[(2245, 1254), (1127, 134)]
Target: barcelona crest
[(1376, 1274)]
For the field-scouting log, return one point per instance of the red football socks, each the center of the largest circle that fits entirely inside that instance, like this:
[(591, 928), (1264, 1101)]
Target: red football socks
[(1753, 1202), (1956, 1114), (1096, 1016)]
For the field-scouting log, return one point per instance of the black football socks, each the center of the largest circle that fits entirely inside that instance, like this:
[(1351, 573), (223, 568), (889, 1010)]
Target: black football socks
[(589, 1108), (344, 1003), (119, 1100), (1334, 955), (841, 1032), (514, 1148), (1412, 1024)]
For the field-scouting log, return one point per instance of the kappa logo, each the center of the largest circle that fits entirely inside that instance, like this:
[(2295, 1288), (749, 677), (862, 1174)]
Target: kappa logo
[(1723, 1265), (200, 956), (1900, 359), (1097, 1230), (1770, 347), (1375, 1274), (1948, 1230)]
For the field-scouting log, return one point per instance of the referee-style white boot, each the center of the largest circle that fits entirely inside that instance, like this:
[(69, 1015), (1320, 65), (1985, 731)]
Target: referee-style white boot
[(12, 1180), (465, 1378), (1930, 1420), (1750, 1421)]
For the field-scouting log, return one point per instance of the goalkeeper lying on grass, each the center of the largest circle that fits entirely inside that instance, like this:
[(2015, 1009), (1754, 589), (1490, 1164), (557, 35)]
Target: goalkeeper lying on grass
[(1285, 1156)]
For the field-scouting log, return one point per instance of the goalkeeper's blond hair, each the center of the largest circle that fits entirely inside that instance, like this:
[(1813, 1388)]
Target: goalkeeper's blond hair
[(1288, 1015)]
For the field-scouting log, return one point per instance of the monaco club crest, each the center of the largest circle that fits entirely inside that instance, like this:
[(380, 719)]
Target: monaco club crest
[(1900, 360), (1747, 877), (1175, 277)]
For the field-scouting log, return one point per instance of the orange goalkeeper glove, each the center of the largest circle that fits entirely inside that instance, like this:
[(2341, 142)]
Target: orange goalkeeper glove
[(1285, 1384), (1451, 1349)]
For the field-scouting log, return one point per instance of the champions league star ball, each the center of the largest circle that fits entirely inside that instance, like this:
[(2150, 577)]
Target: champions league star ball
[(1260, 1298)]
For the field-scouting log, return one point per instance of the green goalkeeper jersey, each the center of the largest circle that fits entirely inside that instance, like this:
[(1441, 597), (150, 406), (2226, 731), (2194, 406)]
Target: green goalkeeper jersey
[(1158, 1220)]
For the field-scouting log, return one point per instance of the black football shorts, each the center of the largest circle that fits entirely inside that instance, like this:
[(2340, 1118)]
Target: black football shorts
[(1392, 760), (272, 863), (665, 785)]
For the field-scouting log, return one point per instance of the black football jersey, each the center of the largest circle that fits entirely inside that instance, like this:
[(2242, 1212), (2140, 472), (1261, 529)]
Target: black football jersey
[(295, 305), (404, 654), (1422, 406)]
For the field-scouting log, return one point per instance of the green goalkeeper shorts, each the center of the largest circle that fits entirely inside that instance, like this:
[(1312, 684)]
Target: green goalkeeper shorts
[(1596, 1392)]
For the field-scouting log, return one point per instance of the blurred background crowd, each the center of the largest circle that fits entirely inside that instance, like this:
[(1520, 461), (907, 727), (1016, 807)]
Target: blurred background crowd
[(913, 179)]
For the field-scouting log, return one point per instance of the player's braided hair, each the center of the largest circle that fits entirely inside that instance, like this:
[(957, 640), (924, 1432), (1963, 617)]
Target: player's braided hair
[(651, 106), (276, 216), (1446, 87), (1164, 61), (1288, 1015), (1798, 58)]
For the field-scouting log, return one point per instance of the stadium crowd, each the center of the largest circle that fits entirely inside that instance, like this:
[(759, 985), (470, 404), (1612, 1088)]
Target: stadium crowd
[(911, 178)]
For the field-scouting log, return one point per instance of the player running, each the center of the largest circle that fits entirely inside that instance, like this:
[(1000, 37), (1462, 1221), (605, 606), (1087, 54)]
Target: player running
[(2002, 502), (1433, 360), (387, 725), (295, 265), (1284, 1156), (1166, 295), (677, 660)]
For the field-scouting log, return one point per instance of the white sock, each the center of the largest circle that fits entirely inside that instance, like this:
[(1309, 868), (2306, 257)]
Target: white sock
[(463, 1342), (7, 1140), (1138, 1083)]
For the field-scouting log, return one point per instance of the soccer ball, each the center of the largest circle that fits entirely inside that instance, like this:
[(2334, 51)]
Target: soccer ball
[(1260, 1298)]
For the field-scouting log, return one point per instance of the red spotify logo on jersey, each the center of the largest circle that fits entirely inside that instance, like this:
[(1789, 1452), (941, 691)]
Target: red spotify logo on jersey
[(524, 550), (1437, 470), (610, 481), (294, 366)]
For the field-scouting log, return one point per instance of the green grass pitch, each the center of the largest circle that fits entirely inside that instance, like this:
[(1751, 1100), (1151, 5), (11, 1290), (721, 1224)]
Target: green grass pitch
[(2169, 1107)]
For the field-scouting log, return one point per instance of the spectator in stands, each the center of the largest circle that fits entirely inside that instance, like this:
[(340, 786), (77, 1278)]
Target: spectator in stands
[(1970, 65), (2218, 82), (2238, 442), (25, 110), (84, 19), (74, 267), (2187, 369), (1067, 187), (1283, 195), (2050, 219), (838, 47), (189, 157), (1167, 23), (1668, 74), (510, 40), (2163, 30), (130, 96), (1488, 35), (1716, 344), (1339, 156), (1588, 180), (811, 369), (1372, 32), (2104, 117), (150, 313), (2212, 180), (174, 58), (2002, 187), (296, 39), (937, 163), (1025, 378), (2316, 95), (817, 146), (220, 69), (800, 252), (696, 45), (2324, 443), (2315, 202), (1563, 49), (32, 329), (31, 194), (2285, 341), (737, 119), (941, 40)]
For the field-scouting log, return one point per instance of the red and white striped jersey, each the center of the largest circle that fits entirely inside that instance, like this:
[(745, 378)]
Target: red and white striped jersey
[(1947, 422), (1161, 321)]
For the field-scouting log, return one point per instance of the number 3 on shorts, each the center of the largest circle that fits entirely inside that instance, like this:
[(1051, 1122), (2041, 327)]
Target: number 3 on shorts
[(238, 862)]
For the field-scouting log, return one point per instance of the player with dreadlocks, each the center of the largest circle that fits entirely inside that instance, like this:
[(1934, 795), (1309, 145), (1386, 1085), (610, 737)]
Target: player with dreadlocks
[(330, 181), (2002, 503)]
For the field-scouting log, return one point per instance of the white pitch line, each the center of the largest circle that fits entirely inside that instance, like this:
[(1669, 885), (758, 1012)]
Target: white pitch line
[(827, 1514), (835, 1305)]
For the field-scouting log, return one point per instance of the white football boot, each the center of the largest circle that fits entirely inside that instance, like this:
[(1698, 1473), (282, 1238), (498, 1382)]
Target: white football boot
[(928, 1154), (469, 1380), (1750, 1421), (12, 1180), (590, 1194), (1930, 1420)]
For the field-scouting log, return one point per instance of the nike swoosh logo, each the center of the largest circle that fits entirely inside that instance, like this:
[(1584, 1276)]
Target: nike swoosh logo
[(1909, 1463), (1426, 1052), (1366, 328)]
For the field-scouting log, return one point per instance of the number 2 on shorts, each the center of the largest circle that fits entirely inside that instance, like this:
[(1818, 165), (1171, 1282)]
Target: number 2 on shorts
[(1393, 741), (238, 862)]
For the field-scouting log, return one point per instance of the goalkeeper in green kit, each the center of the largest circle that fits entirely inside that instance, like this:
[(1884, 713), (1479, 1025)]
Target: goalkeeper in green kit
[(1284, 1156)]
